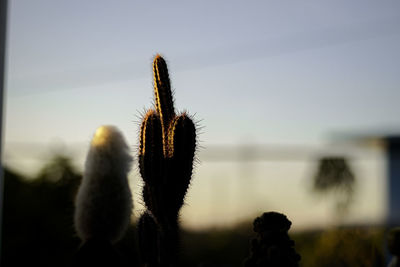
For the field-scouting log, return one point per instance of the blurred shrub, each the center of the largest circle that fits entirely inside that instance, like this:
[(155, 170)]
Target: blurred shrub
[(38, 231), (337, 247), (216, 247), (37, 225), (342, 248), (37, 216)]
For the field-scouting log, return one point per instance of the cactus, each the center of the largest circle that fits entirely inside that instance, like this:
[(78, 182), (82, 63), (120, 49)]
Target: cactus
[(104, 201), (166, 153), (273, 246), (148, 239)]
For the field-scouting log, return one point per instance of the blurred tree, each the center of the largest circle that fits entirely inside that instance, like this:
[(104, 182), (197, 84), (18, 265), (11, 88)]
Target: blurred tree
[(37, 222), (334, 176), (38, 218)]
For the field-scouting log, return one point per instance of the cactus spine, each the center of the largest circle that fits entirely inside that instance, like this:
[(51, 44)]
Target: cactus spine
[(166, 153)]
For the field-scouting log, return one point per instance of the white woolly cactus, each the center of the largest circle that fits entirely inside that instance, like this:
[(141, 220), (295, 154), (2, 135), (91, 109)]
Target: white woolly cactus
[(104, 201)]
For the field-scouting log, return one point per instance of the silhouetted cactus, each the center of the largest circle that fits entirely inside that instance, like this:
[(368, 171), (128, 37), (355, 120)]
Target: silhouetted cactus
[(148, 239), (272, 247), (166, 153)]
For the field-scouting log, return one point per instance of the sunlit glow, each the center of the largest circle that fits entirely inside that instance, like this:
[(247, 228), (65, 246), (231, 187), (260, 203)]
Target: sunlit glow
[(101, 136)]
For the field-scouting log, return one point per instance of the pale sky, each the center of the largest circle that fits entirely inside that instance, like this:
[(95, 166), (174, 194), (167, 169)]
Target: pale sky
[(259, 72)]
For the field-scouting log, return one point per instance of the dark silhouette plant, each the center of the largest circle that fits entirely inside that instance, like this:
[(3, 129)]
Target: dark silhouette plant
[(166, 152), (272, 247)]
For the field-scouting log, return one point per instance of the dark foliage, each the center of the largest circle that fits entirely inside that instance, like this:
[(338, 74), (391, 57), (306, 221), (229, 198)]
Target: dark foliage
[(37, 225)]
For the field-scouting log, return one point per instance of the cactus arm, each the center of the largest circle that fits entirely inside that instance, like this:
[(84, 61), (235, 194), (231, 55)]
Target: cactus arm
[(151, 148), (163, 95), (182, 146)]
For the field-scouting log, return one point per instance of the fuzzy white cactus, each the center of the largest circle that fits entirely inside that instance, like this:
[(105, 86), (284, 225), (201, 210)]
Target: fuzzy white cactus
[(104, 202)]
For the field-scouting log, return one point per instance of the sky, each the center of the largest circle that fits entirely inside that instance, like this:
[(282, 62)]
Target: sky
[(257, 72)]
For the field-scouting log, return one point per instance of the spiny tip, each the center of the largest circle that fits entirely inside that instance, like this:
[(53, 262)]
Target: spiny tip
[(158, 57)]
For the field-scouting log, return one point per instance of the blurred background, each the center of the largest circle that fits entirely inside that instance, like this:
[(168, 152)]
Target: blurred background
[(297, 104)]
